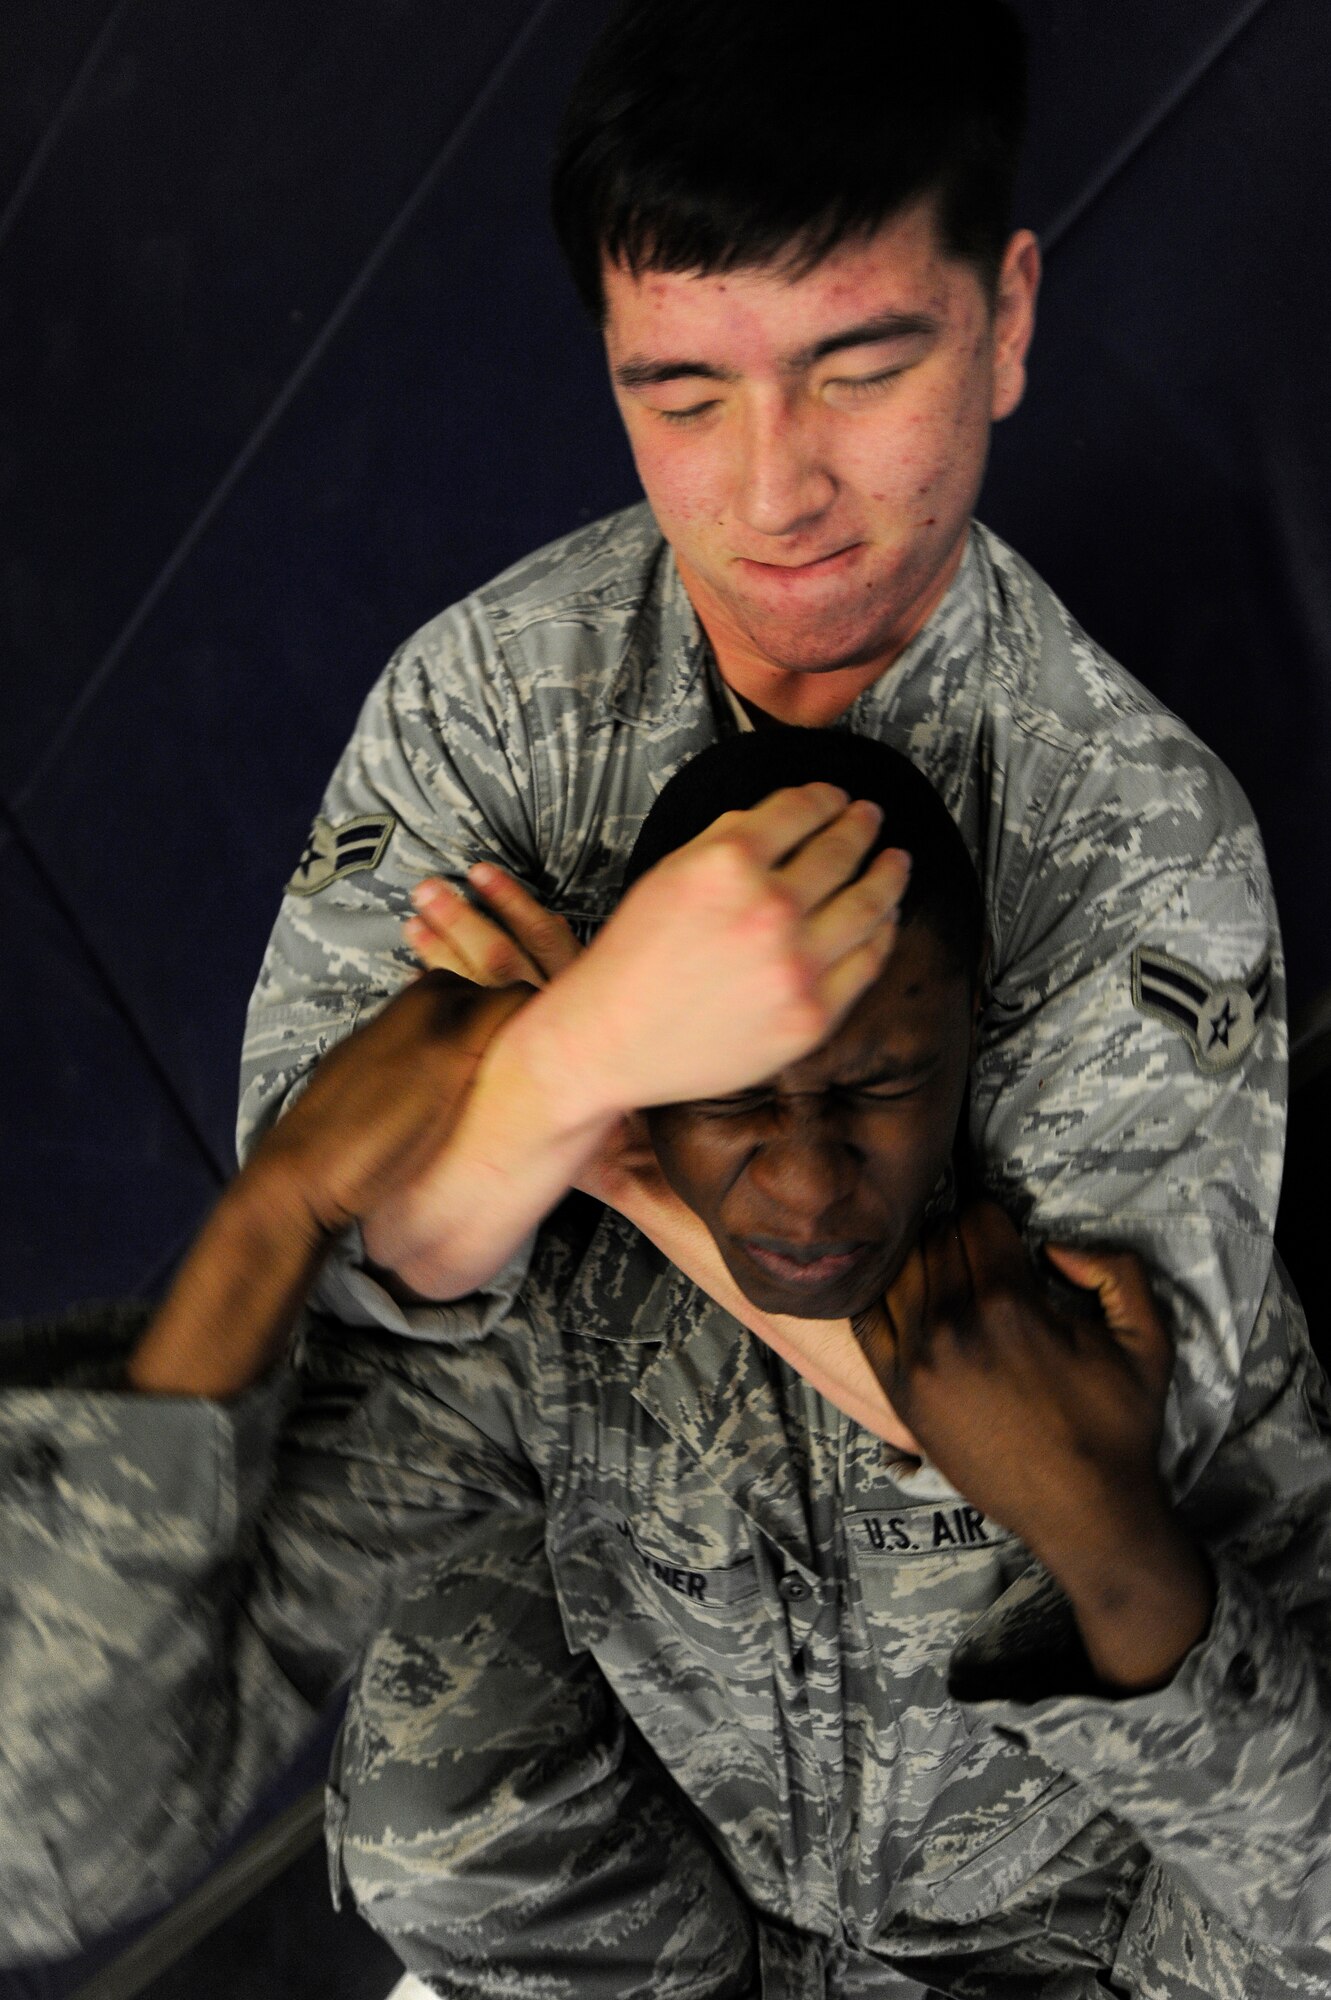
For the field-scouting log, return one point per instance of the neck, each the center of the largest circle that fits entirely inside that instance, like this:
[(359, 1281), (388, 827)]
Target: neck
[(811, 698)]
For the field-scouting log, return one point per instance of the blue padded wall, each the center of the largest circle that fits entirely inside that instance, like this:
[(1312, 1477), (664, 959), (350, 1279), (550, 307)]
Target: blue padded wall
[(289, 363)]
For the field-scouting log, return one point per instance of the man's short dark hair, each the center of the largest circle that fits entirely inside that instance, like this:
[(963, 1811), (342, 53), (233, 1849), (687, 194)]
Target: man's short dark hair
[(704, 135), (740, 771)]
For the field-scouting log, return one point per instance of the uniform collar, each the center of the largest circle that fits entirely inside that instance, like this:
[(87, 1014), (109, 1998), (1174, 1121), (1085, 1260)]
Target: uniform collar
[(709, 1387), (625, 1291), (666, 650), (666, 654), (934, 680), (702, 1376)]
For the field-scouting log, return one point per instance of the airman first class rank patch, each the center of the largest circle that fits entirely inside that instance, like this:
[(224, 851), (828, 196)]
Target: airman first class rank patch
[(1218, 1019), (334, 851)]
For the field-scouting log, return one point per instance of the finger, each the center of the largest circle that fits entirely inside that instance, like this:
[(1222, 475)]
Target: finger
[(434, 952), (839, 986), (994, 1249), (904, 1307), (951, 1292), (1007, 1292), (828, 859), (876, 1333), (853, 915), (781, 823), (483, 952), (476, 949), (545, 937), (1119, 1280)]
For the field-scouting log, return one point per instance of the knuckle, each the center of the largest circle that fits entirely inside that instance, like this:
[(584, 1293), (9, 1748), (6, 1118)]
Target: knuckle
[(730, 855), (729, 829), (726, 870)]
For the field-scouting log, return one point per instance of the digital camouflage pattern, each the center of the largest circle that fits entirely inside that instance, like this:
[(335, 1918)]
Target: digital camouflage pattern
[(800, 1670), (176, 1600), (534, 723)]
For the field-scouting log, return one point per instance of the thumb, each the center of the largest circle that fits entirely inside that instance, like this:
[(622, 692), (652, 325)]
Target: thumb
[(1118, 1279)]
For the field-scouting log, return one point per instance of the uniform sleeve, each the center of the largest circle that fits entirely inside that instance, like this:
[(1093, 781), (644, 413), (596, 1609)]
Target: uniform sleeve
[(438, 774), (1226, 1771), (183, 1584), (1130, 1082)]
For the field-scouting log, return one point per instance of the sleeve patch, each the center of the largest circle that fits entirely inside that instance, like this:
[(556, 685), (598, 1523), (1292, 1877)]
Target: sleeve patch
[(334, 851), (1217, 1019)]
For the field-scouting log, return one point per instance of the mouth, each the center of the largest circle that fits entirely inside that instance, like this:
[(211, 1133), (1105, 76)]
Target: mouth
[(794, 573), (807, 1267)]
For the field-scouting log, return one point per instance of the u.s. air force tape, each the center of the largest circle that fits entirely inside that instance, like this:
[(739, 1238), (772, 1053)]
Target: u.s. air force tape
[(1217, 1018), (334, 851)]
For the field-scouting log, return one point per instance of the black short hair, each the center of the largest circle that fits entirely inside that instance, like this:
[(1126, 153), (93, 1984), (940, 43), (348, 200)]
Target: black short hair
[(703, 135), (740, 771)]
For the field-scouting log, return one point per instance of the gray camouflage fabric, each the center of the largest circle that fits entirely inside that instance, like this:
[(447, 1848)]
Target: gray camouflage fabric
[(755, 1718), (825, 1731), (534, 723)]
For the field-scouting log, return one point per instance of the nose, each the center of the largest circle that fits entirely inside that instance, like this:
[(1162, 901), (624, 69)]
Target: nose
[(783, 484), (802, 1173)]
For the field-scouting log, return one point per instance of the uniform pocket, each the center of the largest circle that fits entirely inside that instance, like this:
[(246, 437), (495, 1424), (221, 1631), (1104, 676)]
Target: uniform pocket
[(998, 1825), (714, 1611), (925, 1573), (687, 1649), (629, 1587)]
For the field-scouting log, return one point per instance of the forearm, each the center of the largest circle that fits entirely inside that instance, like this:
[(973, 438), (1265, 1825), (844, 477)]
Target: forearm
[(1141, 1589), (235, 1298), (1225, 1769), (527, 1128)]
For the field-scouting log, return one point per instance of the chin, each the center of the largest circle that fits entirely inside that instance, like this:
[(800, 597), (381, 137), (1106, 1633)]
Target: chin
[(823, 649), (839, 1300)]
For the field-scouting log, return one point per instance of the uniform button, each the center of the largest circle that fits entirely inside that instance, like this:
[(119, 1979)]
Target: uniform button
[(794, 1589), (1242, 1676)]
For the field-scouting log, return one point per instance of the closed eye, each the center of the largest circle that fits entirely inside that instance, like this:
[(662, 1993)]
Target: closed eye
[(885, 1093), (859, 388), (733, 1107), (902, 1082), (686, 416)]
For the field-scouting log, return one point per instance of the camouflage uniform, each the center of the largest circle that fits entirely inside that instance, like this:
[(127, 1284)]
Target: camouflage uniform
[(534, 723), (492, 1795), (872, 1699), (1129, 908)]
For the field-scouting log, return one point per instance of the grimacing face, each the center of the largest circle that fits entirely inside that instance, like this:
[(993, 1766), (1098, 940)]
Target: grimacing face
[(814, 1185), (812, 446)]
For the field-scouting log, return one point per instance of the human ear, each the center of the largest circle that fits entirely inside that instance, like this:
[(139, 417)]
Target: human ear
[(1014, 321)]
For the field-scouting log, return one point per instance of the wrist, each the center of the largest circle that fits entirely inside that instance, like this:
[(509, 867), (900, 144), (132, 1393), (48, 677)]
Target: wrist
[(272, 1206), (544, 1057), (1142, 1593), (235, 1297)]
